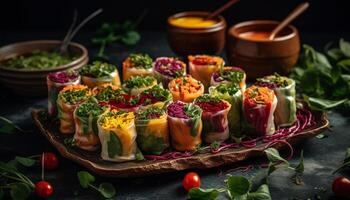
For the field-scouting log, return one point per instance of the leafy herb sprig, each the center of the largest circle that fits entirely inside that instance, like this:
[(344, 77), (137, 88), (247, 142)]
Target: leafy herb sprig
[(192, 110), (324, 79), (139, 60), (208, 98), (90, 107), (150, 113), (98, 69), (231, 89), (73, 97), (86, 180), (139, 81)]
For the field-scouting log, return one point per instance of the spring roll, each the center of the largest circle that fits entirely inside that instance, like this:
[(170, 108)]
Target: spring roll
[(284, 88), (185, 125), (214, 116), (259, 104), (137, 65), (106, 92), (55, 82), (231, 75), (232, 94), (167, 68), (86, 130), (201, 67), (155, 96), (117, 133), (99, 73), (69, 98), (186, 88), (152, 130), (137, 84)]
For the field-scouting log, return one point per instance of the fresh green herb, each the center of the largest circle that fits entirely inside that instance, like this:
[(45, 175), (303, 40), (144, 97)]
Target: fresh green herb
[(143, 61), (38, 60), (346, 162), (280, 81), (89, 108), (98, 69), (150, 113), (207, 194), (151, 143), (234, 76), (115, 146), (158, 93), (74, 97), (16, 183), (208, 98), (27, 162), (192, 110), (231, 89), (108, 93), (8, 127), (324, 79), (86, 180), (139, 81), (110, 33), (215, 145)]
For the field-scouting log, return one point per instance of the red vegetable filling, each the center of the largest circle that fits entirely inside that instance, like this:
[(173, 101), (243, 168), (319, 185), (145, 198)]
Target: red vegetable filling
[(212, 107), (176, 109), (146, 99), (63, 76), (124, 101)]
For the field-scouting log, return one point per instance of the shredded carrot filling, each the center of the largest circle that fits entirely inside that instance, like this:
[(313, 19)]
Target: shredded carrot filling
[(185, 85), (205, 60), (71, 88), (116, 119), (259, 95)]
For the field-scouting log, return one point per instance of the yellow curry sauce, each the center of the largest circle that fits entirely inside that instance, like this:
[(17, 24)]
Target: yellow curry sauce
[(193, 22)]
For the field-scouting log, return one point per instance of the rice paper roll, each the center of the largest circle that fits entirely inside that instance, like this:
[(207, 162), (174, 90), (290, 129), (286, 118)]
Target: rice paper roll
[(259, 104), (56, 81), (186, 88), (232, 94), (86, 129), (137, 65), (185, 125), (117, 133), (167, 68), (156, 96), (214, 116), (69, 98), (106, 92), (152, 130), (284, 88), (201, 67), (99, 73), (137, 84), (229, 75)]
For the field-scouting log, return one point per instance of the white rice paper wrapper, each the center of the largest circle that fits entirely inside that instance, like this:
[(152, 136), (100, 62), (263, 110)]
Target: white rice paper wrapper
[(285, 114)]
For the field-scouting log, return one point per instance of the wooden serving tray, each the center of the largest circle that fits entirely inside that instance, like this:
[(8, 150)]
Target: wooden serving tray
[(93, 162)]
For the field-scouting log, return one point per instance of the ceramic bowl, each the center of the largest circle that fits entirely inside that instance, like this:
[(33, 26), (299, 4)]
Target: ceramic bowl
[(263, 57), (190, 41), (33, 82)]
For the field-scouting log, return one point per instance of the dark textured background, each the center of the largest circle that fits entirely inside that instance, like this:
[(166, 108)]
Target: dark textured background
[(322, 16)]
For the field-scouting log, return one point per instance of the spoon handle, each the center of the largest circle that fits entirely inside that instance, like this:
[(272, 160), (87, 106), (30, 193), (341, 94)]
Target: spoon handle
[(294, 14), (222, 9)]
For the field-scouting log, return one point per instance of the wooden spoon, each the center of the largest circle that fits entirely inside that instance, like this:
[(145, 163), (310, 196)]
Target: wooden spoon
[(222, 9), (294, 14)]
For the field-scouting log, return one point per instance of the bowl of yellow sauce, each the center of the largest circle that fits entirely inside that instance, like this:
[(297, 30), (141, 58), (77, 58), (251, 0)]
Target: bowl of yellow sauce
[(191, 33)]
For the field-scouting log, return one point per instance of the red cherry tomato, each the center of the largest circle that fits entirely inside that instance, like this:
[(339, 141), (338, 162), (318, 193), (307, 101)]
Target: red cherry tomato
[(341, 187), (50, 161), (191, 180), (43, 189)]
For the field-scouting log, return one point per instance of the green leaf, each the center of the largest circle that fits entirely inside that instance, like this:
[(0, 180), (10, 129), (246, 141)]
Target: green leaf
[(131, 38), (335, 53), (238, 186), (344, 64), (262, 193), (8, 127), (204, 194), (107, 190), (85, 179), (322, 104), (274, 156), (28, 162), (151, 143), (346, 162), (344, 47), (114, 145), (300, 167), (20, 191), (139, 155)]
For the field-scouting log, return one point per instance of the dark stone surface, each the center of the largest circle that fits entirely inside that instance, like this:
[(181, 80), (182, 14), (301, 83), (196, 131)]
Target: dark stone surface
[(322, 156)]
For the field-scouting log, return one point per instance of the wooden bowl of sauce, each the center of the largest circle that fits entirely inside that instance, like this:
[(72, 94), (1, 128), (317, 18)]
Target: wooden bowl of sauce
[(249, 47), (190, 33)]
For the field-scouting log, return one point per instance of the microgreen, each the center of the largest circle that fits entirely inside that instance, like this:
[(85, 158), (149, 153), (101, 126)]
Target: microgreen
[(231, 89), (139, 81), (141, 60), (98, 69)]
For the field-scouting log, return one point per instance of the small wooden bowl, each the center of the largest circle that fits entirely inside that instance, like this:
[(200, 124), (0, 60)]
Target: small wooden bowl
[(26, 82), (263, 57), (190, 41)]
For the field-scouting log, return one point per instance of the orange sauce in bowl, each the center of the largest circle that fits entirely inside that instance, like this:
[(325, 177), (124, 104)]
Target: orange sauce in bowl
[(255, 35), (192, 22)]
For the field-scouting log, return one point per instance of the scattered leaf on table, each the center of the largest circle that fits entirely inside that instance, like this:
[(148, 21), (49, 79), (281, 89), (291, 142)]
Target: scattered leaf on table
[(8, 127), (28, 162), (204, 194), (107, 190), (238, 186), (85, 178)]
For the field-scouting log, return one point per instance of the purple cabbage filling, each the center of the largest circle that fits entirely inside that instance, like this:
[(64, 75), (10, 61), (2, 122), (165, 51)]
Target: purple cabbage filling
[(176, 109), (168, 66), (63, 76)]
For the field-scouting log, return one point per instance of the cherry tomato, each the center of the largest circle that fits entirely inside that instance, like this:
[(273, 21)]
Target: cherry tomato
[(341, 187), (191, 180), (50, 161), (43, 189)]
